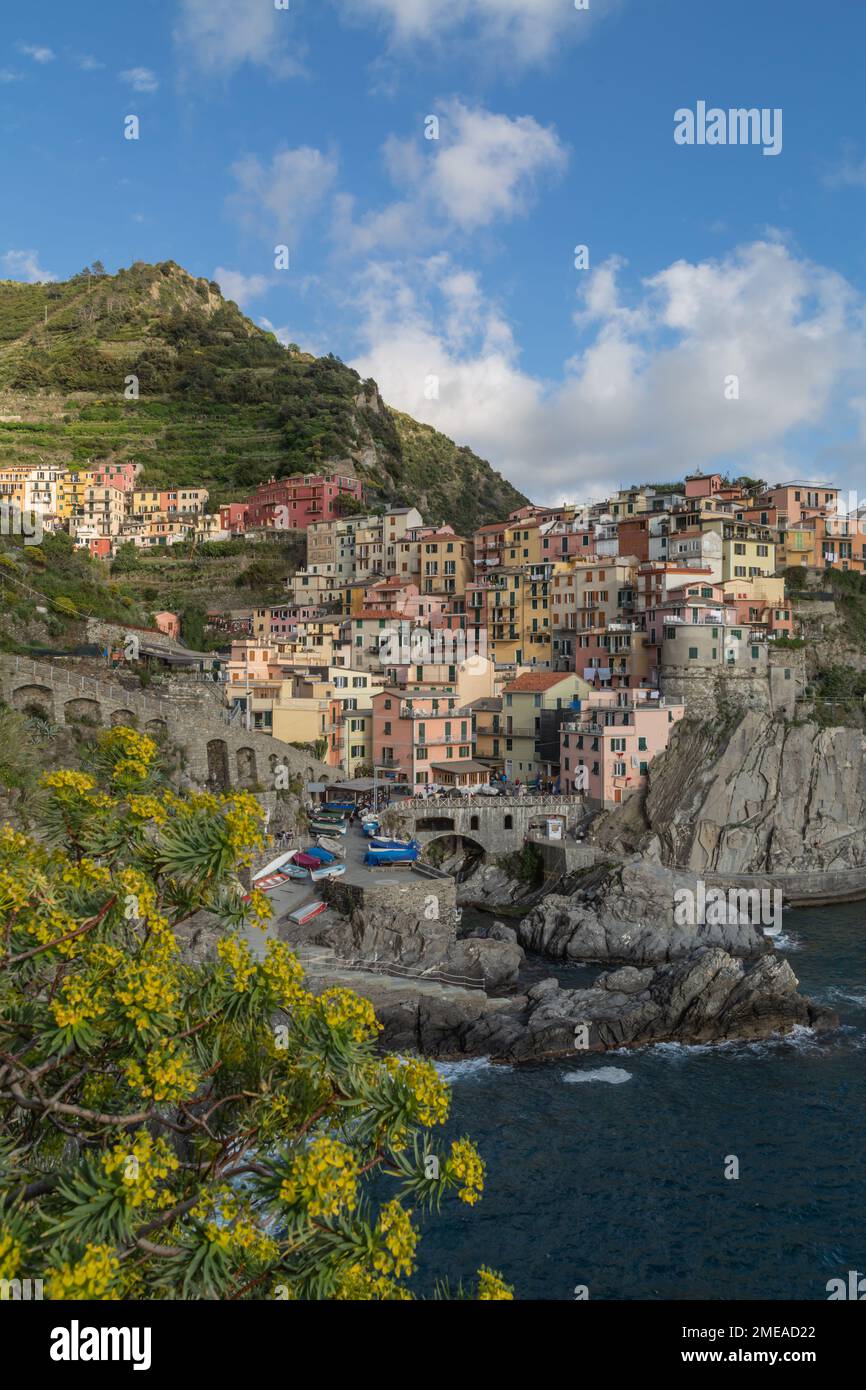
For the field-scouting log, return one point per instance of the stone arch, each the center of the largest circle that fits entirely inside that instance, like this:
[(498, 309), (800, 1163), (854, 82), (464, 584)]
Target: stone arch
[(124, 717), (218, 764), (37, 696), (157, 727), (83, 711), (454, 843), (246, 765)]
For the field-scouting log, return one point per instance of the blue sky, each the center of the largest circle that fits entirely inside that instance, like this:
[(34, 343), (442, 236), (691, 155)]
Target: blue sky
[(445, 268)]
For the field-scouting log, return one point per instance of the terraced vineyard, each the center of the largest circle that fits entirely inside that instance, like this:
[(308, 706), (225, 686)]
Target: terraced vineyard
[(220, 402)]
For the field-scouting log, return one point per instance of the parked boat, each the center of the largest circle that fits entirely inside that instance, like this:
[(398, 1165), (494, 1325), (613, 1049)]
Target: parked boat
[(327, 871), (348, 806), (386, 842), (392, 856), (333, 846), (302, 915), (274, 866), (295, 871), (306, 861), (323, 855)]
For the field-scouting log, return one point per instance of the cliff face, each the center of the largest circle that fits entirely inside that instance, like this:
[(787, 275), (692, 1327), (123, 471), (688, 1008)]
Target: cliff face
[(776, 797)]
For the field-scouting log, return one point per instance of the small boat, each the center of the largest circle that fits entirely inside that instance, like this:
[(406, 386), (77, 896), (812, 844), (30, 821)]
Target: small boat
[(323, 855), (265, 883), (320, 827), (407, 855), (273, 867), (385, 842), (306, 861), (302, 915), (370, 827), (348, 806), (327, 871), (296, 871), (333, 846)]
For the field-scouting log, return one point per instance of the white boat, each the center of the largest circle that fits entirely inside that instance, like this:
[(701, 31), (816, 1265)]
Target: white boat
[(327, 871)]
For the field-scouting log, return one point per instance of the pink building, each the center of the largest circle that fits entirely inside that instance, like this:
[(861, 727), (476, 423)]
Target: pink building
[(119, 475), (293, 504), (703, 485), (233, 518), (419, 734), (169, 623), (606, 750)]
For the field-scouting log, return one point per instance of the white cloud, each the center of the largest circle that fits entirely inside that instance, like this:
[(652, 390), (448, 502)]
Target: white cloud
[(287, 335), (525, 31), (24, 265), (239, 287), (644, 397), (90, 64), (140, 79), (220, 35), (36, 52), (484, 168), (277, 199), (7, 75)]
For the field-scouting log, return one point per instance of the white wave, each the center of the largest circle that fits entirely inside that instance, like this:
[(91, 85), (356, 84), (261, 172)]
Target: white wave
[(459, 1071), (837, 994), (786, 942), (614, 1076)]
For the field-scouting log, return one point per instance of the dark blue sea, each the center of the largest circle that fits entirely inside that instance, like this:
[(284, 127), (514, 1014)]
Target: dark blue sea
[(609, 1172)]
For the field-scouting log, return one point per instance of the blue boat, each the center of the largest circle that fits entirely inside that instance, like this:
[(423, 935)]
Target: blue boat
[(347, 806), (407, 855), (386, 842), (325, 855)]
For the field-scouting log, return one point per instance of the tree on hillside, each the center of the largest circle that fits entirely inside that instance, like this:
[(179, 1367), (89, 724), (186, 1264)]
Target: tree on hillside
[(170, 1130)]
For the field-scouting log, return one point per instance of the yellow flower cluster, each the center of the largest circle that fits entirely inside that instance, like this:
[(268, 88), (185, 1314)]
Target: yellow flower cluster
[(10, 1254), (148, 808), (343, 1008), (68, 781), (143, 1165), (324, 1179), (93, 1276), (147, 993), (235, 955), (466, 1165), (231, 1226), (398, 1238), (132, 753), (360, 1285), (85, 875), (492, 1287), (79, 1001), (244, 822), (165, 1074), (430, 1093), (259, 908), (284, 975)]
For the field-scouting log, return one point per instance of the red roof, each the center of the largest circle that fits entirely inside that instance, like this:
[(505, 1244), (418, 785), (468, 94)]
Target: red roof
[(537, 680)]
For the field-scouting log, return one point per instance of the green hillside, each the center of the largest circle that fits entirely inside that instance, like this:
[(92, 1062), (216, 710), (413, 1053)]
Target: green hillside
[(222, 403)]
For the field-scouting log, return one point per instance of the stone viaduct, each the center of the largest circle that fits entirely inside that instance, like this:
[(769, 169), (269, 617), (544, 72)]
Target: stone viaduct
[(499, 825), (217, 752)]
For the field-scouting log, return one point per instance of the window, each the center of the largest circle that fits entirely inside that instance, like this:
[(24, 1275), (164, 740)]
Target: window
[(509, 823), (693, 653), (755, 653), (641, 743)]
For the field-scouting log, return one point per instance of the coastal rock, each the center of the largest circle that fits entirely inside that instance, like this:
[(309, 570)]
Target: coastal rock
[(707, 997), (626, 913)]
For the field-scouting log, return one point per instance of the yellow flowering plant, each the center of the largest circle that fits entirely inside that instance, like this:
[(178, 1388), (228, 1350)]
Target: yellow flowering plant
[(171, 1129)]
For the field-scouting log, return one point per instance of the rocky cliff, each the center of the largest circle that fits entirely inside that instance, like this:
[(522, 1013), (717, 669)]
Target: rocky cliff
[(775, 796)]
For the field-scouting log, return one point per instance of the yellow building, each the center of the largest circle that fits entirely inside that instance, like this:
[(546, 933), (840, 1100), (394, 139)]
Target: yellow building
[(534, 707), (518, 616), (446, 563)]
